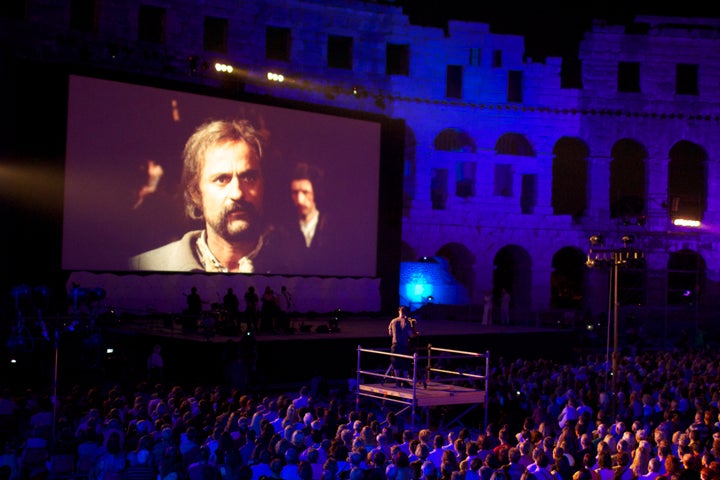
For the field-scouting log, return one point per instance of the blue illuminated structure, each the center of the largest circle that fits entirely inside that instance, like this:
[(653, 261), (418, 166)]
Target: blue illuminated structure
[(429, 281)]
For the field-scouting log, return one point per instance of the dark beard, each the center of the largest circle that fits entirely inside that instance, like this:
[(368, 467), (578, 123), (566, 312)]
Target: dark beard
[(251, 230)]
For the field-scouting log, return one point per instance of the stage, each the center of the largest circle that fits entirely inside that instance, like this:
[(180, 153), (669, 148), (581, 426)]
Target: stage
[(117, 349)]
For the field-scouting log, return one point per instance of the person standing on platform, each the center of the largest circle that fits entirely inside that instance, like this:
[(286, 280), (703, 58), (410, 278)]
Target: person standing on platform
[(251, 309), (194, 310), (231, 304), (268, 310), (505, 307), (285, 307), (487, 308), (401, 329)]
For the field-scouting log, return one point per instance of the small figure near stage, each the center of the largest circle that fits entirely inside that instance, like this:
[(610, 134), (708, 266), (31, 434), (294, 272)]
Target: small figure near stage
[(251, 309), (487, 308), (194, 303), (231, 304), (193, 312), (402, 330), (285, 309)]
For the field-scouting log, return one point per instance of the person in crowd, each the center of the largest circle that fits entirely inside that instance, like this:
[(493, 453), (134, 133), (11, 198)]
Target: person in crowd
[(142, 468), (514, 468), (223, 185), (653, 470), (155, 365)]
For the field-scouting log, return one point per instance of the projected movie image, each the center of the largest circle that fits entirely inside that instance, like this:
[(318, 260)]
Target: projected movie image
[(165, 181)]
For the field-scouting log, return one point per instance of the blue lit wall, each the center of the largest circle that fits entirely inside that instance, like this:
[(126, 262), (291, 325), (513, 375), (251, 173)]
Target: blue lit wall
[(430, 281)]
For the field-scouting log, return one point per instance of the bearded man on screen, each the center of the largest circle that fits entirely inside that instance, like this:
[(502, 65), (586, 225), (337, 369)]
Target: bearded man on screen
[(224, 186)]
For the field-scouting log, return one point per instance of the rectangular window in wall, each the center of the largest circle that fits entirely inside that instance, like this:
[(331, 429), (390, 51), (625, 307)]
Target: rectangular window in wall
[(454, 81), (475, 56), (503, 180), (439, 188), (515, 86), (82, 15), (629, 77), (686, 79), (397, 59), (497, 59), (278, 42), (151, 24), (340, 52), (528, 195), (215, 34), (465, 179)]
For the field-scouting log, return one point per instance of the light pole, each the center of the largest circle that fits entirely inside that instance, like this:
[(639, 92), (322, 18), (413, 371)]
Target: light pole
[(600, 256)]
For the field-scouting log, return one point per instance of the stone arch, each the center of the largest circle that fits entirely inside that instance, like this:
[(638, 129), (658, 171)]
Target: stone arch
[(687, 277), (512, 270), (568, 278), (514, 144), (454, 140), (687, 185)]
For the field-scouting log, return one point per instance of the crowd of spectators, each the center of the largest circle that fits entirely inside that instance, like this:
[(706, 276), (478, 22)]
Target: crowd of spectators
[(547, 421)]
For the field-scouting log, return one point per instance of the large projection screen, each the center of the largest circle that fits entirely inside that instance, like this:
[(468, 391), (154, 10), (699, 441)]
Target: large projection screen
[(124, 162)]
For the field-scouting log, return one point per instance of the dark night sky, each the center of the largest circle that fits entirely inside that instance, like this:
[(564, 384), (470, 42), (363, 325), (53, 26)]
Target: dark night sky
[(551, 27)]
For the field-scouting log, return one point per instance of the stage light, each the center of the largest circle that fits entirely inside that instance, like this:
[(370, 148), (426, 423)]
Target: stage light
[(597, 240), (425, 259), (223, 68), (686, 222), (275, 77)]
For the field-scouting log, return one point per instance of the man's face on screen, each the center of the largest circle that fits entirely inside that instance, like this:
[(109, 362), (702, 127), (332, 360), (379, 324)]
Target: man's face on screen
[(231, 191), (303, 196)]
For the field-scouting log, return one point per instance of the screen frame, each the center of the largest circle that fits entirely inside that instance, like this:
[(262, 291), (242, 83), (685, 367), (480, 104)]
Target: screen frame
[(390, 181)]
